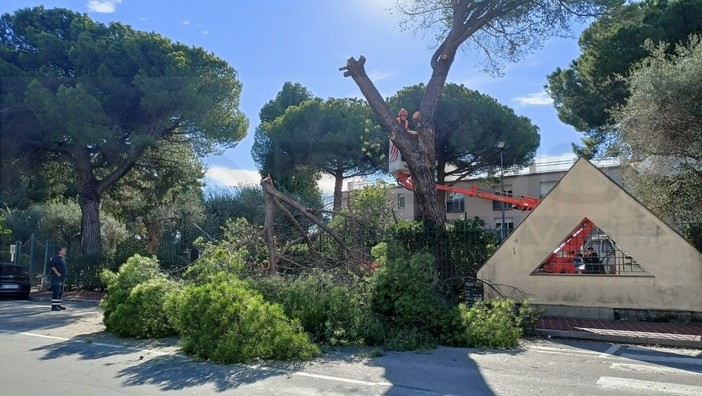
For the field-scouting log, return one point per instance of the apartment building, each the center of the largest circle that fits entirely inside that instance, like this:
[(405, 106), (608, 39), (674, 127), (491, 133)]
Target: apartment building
[(535, 181)]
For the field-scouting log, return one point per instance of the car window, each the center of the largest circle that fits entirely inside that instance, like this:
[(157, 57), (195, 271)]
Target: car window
[(10, 270)]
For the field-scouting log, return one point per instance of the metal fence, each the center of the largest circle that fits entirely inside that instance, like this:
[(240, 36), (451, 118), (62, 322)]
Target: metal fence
[(33, 255)]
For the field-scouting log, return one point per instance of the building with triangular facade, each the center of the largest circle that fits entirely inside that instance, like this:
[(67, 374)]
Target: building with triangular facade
[(639, 263)]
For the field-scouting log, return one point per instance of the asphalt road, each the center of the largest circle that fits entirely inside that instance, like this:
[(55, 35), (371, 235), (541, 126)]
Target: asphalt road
[(43, 352)]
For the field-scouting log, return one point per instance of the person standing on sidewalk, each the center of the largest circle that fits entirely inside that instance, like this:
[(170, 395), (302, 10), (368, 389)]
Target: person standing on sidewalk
[(59, 269)]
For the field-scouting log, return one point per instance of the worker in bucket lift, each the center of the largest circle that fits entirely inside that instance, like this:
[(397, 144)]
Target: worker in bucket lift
[(404, 122)]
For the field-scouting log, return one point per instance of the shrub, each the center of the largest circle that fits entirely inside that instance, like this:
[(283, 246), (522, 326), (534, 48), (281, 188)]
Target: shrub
[(489, 325), (127, 305), (693, 233), (226, 321), (406, 299), (331, 307), (143, 314), (467, 244), (216, 259)]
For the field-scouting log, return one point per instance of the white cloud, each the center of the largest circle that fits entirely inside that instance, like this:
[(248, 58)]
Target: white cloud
[(227, 177), (205, 32), (379, 75), (103, 6), (539, 99), (186, 22)]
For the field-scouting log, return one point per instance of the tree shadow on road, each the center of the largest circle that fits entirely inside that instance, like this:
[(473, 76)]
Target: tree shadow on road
[(178, 372), (443, 370)]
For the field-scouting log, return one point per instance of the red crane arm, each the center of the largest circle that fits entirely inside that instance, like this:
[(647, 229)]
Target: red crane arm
[(522, 203)]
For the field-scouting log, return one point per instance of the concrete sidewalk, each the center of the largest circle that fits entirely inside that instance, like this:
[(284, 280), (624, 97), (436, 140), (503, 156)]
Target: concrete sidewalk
[(683, 335)]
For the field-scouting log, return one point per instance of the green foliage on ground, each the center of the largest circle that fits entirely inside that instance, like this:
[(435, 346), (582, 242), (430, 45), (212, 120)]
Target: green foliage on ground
[(405, 296), (225, 320), (217, 260), (332, 306), (498, 324), (225, 311), (134, 304), (417, 313)]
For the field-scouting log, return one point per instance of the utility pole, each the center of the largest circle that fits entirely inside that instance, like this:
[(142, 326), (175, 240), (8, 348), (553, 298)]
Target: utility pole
[(501, 145)]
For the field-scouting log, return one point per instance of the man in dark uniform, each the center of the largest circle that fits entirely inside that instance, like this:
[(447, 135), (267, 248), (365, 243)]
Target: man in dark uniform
[(58, 275)]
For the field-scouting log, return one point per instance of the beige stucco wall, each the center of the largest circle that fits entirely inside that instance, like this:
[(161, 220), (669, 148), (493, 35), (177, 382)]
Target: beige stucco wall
[(673, 278)]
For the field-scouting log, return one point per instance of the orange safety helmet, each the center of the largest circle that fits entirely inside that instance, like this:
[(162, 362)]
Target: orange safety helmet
[(403, 112)]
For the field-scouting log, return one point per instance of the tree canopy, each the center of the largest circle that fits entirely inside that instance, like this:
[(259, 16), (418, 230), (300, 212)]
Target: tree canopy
[(336, 137), (586, 93), (161, 194), (300, 133), (661, 131), (272, 161), (97, 97), (468, 126)]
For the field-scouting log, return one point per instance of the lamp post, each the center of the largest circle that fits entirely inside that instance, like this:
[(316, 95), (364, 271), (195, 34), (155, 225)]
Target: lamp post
[(501, 145)]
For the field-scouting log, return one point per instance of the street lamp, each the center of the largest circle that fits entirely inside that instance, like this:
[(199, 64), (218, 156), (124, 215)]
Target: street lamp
[(501, 145)]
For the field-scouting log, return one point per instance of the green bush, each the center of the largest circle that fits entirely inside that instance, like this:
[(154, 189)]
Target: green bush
[(405, 296), (331, 307), (497, 324), (215, 260), (693, 233), (468, 245), (224, 320), (136, 270), (133, 305), (143, 314)]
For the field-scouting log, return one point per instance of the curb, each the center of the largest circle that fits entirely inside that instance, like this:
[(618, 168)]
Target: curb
[(693, 343), (48, 299)]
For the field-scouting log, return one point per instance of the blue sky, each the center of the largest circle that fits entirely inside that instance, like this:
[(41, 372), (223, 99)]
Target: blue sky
[(270, 42)]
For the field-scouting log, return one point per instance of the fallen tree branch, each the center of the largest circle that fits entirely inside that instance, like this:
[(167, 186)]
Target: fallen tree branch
[(267, 185), (295, 223)]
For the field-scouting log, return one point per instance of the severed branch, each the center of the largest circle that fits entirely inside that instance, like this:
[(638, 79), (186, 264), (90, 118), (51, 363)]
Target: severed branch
[(294, 242), (356, 70), (297, 225), (268, 227), (267, 185)]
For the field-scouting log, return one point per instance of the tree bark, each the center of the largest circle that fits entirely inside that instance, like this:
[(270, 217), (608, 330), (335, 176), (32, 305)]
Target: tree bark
[(153, 237), (417, 150), (338, 186), (269, 230), (91, 243), (90, 191), (89, 201)]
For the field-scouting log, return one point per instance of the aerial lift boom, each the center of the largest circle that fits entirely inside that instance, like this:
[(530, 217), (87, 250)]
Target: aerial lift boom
[(522, 203)]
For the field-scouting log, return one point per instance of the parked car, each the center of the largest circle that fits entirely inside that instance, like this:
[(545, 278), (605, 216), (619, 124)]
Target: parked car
[(14, 281)]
